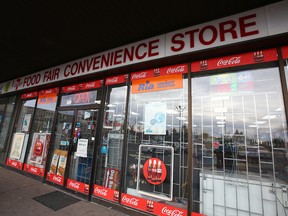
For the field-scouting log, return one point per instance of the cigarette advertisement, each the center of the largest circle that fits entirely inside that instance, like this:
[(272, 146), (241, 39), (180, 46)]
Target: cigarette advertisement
[(155, 118)]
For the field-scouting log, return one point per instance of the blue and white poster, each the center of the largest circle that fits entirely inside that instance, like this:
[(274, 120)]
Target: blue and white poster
[(155, 118)]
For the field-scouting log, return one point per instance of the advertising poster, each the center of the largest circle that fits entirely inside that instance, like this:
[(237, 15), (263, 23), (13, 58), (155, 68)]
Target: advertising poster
[(111, 178), (38, 148), (82, 146), (62, 163), (155, 118), (17, 145), (26, 122)]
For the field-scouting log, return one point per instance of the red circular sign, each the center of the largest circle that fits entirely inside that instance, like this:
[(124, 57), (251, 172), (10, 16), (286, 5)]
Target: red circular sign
[(216, 145), (154, 171)]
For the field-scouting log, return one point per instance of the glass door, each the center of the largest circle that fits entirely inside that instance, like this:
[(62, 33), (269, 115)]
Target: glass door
[(81, 151), (74, 141)]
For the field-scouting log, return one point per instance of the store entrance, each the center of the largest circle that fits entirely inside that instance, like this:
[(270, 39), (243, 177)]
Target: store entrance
[(74, 141)]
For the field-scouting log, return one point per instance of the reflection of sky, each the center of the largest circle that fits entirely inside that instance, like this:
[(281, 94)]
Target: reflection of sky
[(260, 107)]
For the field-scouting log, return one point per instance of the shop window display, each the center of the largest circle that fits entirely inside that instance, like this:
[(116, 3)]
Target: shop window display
[(240, 143), (40, 133), (157, 143)]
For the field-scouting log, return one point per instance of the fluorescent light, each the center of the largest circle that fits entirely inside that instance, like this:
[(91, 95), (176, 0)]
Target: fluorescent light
[(259, 122), (110, 111), (220, 98), (171, 111), (220, 109), (134, 113), (253, 126), (278, 110), (269, 117), (181, 118), (221, 125), (111, 105), (220, 122), (220, 117)]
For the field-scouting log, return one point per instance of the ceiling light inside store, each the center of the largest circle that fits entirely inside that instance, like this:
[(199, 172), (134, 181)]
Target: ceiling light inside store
[(181, 118), (221, 125), (278, 110), (97, 101), (259, 122), (217, 98), (253, 126), (111, 105), (172, 112), (220, 122), (220, 109), (269, 117), (134, 113), (110, 111), (220, 117)]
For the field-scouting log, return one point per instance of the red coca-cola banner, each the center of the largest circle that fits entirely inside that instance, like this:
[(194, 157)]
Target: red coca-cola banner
[(106, 193), (284, 52), (116, 79), (235, 60), (14, 164), (55, 178), (82, 86), (29, 95), (77, 186), (34, 170), (152, 207), (49, 91), (175, 69)]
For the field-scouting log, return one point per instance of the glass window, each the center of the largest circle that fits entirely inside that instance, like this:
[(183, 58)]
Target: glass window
[(157, 145), (109, 163), (240, 143), (7, 106), (40, 133), (21, 133)]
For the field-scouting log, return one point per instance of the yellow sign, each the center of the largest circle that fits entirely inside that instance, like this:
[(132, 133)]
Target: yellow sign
[(157, 84)]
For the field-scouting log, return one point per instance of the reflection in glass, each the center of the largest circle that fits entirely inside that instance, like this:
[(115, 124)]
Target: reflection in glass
[(241, 115)]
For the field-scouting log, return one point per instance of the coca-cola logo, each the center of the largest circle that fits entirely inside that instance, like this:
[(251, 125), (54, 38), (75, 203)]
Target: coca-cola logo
[(179, 69), (74, 185), (100, 191), (231, 61), (34, 170), (131, 201), (112, 80), (89, 85), (57, 179), (71, 88), (48, 91), (13, 163), (139, 75), (171, 212)]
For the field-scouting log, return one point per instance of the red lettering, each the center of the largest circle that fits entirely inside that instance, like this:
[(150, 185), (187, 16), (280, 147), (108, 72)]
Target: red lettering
[(244, 23), (137, 52), (105, 60), (96, 62), (67, 70), (118, 55), (128, 54), (178, 42), (213, 38), (227, 27), (153, 45), (192, 38)]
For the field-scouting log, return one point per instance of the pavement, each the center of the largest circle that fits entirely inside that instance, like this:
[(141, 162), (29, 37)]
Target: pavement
[(17, 192)]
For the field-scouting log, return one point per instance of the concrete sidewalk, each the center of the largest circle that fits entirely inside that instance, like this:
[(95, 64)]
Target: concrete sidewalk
[(17, 193)]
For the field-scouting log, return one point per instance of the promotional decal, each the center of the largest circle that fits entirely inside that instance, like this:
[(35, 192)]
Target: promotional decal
[(151, 206), (237, 28), (14, 164), (29, 95), (154, 171), (55, 178), (111, 178), (106, 193), (161, 83), (48, 96), (77, 186), (17, 145), (116, 79), (155, 118), (235, 60), (82, 86), (34, 170), (163, 71)]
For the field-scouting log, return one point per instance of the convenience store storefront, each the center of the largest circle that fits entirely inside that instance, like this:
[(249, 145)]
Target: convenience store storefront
[(206, 137)]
